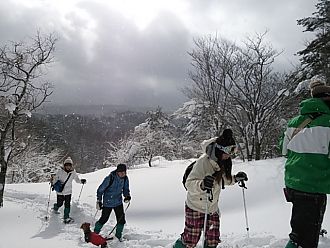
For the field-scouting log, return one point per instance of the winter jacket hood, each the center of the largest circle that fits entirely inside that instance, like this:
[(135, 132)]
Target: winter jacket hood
[(204, 166), (205, 143), (308, 152), (314, 105)]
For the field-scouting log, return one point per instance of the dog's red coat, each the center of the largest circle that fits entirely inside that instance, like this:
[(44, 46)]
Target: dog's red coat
[(92, 237), (96, 239)]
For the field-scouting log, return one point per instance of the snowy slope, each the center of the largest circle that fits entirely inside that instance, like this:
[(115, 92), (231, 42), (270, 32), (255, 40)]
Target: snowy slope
[(155, 217)]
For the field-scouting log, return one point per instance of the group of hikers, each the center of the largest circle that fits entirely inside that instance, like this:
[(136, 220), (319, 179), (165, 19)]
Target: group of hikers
[(305, 144), (109, 195)]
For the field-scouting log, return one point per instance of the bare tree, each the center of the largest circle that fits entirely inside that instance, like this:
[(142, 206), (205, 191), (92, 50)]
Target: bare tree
[(212, 62), (239, 87), (22, 91), (256, 94)]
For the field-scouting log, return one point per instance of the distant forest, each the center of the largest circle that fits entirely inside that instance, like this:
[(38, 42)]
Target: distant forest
[(83, 137)]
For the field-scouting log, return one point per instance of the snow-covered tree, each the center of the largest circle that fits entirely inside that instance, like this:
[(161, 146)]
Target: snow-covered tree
[(194, 122), (316, 56), (152, 138), (31, 164), (22, 90)]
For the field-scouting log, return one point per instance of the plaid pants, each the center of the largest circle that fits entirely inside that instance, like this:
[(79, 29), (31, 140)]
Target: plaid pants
[(194, 224)]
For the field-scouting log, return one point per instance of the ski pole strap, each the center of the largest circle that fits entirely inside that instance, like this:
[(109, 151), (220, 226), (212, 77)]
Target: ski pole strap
[(209, 194), (242, 184), (302, 125), (66, 181)]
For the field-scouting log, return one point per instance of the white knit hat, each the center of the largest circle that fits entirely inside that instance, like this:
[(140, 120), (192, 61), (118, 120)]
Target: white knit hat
[(68, 160)]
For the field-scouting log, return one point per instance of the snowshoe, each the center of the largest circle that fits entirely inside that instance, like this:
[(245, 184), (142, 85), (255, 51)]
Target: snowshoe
[(55, 211), (68, 220), (111, 238)]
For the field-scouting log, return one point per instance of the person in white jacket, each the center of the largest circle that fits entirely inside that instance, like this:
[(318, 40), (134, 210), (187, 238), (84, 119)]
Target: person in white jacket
[(65, 175), (208, 176)]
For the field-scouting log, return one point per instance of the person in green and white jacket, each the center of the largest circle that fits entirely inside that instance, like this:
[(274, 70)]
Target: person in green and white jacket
[(307, 168)]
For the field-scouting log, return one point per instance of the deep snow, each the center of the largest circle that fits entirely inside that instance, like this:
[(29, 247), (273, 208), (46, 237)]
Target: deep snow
[(155, 217)]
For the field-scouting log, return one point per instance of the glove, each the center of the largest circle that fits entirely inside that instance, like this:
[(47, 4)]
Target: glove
[(241, 176), (83, 181), (51, 178), (99, 205), (127, 199), (207, 183)]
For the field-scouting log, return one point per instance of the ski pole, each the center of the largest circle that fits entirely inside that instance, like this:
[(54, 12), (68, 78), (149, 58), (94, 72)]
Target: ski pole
[(208, 197), (95, 216), (95, 213), (129, 203), (50, 190), (242, 185), (80, 192)]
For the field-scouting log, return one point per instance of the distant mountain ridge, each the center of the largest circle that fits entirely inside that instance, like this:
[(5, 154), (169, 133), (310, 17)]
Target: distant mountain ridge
[(91, 110)]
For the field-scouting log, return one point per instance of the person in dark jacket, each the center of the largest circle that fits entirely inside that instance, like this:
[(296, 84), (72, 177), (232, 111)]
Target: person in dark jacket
[(306, 143), (109, 196)]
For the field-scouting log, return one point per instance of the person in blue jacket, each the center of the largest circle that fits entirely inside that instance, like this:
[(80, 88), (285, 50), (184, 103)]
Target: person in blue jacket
[(109, 196)]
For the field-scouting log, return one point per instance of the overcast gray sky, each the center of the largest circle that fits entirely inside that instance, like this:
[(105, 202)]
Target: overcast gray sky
[(134, 52)]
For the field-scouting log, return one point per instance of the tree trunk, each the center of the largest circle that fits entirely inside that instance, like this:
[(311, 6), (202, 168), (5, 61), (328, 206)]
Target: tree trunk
[(3, 164), (248, 153), (247, 148), (252, 149), (149, 162), (3, 173), (241, 152), (256, 143), (258, 151)]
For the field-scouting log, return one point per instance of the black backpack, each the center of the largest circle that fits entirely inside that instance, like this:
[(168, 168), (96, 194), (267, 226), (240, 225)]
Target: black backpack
[(111, 181), (186, 173), (227, 165)]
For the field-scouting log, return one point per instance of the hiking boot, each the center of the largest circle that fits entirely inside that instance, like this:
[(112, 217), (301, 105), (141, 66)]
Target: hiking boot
[(55, 211), (178, 244), (291, 244), (68, 220), (66, 213), (119, 232)]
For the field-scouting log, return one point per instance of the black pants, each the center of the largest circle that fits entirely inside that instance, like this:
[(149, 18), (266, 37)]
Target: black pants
[(307, 216), (119, 212), (63, 198)]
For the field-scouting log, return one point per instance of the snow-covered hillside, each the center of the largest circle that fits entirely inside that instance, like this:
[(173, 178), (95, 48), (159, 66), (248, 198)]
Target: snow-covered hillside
[(155, 217)]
